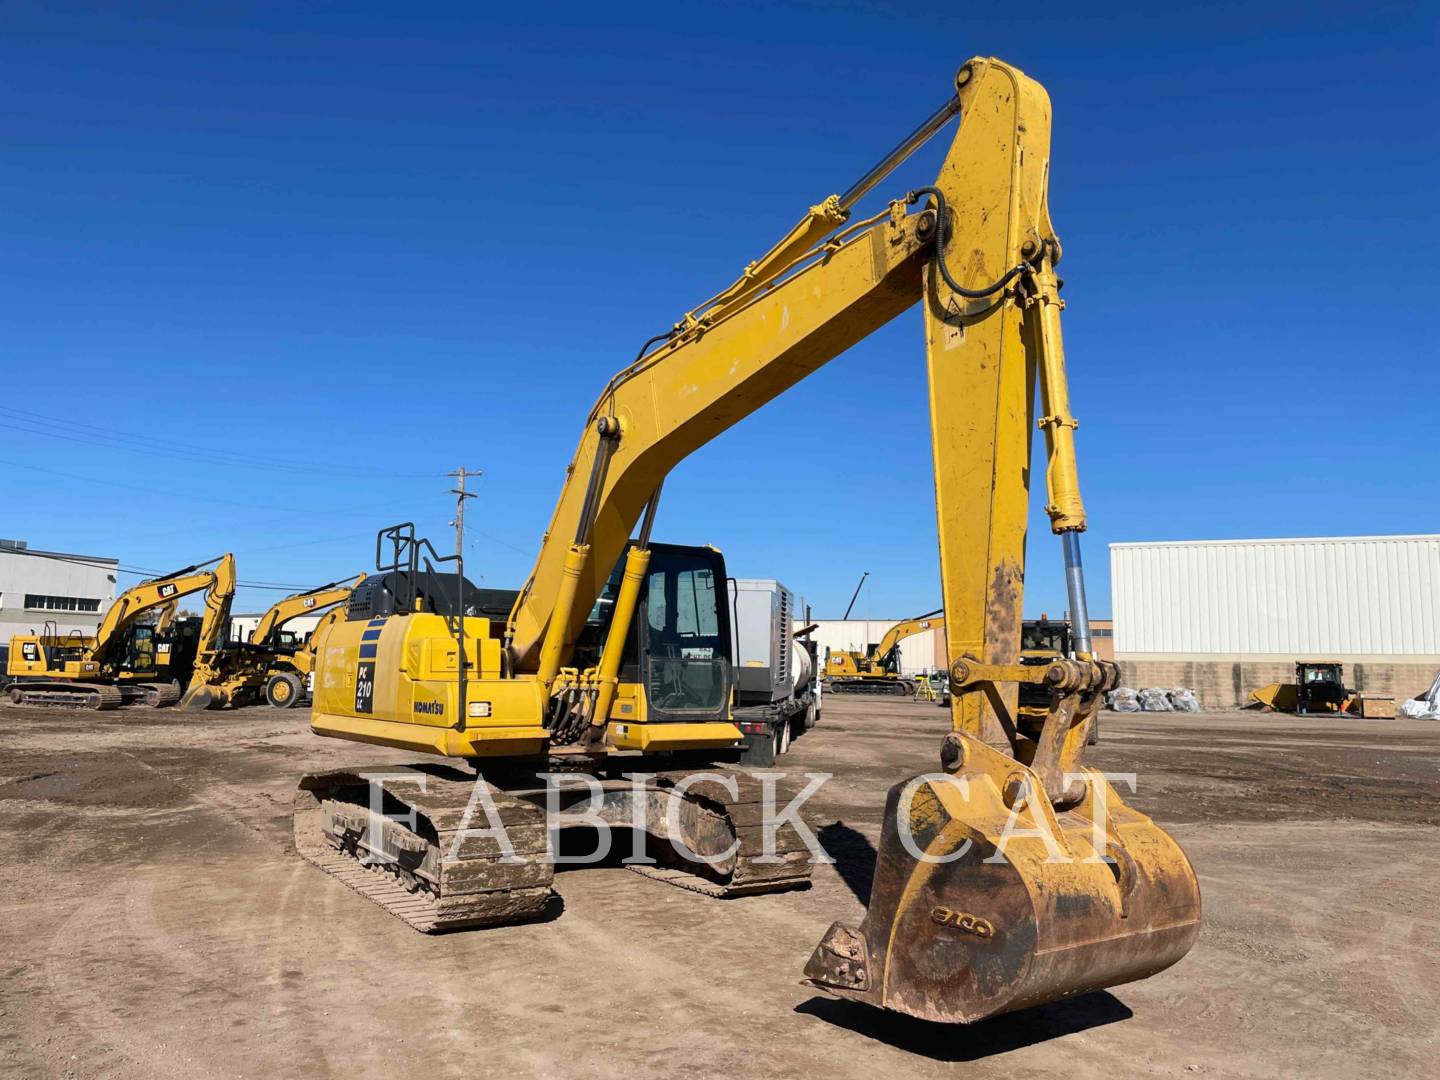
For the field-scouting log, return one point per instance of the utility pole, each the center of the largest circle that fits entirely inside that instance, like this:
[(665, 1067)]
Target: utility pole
[(460, 496), (462, 698)]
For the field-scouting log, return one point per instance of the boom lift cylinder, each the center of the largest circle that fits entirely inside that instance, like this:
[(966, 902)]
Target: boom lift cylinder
[(637, 562)]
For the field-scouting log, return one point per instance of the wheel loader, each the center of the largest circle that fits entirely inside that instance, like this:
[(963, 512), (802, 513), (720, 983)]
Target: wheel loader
[(1009, 874)]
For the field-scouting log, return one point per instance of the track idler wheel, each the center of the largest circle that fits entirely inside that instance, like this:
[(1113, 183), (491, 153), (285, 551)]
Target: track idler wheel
[(969, 931)]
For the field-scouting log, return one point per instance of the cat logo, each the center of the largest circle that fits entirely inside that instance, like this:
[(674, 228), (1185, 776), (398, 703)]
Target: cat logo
[(167, 590), (309, 601), (964, 921)]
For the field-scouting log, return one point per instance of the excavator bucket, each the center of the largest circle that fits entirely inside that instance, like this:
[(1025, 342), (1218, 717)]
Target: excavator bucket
[(197, 699), (986, 899)]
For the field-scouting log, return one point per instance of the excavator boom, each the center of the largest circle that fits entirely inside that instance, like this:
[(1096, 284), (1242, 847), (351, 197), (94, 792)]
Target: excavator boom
[(907, 629), (161, 592), (305, 603)]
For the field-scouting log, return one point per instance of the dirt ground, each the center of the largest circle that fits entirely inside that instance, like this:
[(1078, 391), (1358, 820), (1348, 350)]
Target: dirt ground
[(155, 923)]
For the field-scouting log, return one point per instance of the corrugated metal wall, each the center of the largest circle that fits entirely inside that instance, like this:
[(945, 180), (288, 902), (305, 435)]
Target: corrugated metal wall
[(919, 654), (1310, 598)]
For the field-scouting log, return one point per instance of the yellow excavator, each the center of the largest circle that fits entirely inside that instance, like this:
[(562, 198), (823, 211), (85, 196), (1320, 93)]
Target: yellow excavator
[(1008, 873), (265, 664), (878, 671), (90, 671)]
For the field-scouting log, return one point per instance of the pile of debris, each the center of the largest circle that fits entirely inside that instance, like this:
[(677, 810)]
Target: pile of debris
[(1152, 699), (1424, 707)]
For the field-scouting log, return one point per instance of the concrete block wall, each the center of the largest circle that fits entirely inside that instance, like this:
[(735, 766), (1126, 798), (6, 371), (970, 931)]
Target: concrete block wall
[(1225, 684)]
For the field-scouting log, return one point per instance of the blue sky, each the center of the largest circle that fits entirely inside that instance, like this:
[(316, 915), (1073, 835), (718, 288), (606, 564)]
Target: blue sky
[(289, 264)]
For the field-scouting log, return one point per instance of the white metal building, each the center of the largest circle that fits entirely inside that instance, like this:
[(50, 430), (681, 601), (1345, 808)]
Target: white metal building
[(1345, 598), (72, 591), (918, 655)]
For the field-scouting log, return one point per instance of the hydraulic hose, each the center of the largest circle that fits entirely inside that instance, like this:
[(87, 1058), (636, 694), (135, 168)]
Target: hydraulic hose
[(942, 238)]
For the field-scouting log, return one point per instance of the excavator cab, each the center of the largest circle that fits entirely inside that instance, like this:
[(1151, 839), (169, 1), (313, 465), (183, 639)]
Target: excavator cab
[(138, 657), (678, 647)]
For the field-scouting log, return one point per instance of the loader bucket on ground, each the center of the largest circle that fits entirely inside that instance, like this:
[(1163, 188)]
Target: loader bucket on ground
[(1281, 697), (1011, 920)]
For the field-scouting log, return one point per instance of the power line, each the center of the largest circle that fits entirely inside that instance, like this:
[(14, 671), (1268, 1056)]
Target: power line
[(151, 491), (95, 562), (31, 423)]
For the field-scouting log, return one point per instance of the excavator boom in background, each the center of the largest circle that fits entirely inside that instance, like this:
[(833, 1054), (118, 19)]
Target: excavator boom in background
[(90, 671), (1007, 874)]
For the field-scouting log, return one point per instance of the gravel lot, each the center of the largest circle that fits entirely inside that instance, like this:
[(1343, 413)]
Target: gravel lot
[(155, 923)]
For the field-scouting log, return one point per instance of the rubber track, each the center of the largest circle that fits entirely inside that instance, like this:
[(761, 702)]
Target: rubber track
[(475, 889), (745, 814)]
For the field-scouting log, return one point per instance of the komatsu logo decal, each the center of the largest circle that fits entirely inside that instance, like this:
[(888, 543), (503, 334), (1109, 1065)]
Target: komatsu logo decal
[(430, 708)]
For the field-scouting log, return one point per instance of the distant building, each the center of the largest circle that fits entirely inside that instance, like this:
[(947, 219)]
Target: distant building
[(1102, 638), (1227, 616), (37, 587)]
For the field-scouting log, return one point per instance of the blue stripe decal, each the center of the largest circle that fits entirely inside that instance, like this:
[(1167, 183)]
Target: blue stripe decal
[(373, 634), (367, 652), (379, 620)]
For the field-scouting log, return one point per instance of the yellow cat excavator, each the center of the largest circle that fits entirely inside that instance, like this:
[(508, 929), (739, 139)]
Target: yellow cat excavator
[(878, 671), (240, 672), (1008, 874), (89, 671)]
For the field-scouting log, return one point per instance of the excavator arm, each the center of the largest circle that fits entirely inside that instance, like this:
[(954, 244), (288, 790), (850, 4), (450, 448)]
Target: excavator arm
[(902, 630), (966, 918), (160, 592), (213, 627), (306, 603)]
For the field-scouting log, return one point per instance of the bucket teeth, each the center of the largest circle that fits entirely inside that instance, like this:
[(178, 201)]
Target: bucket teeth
[(839, 960)]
